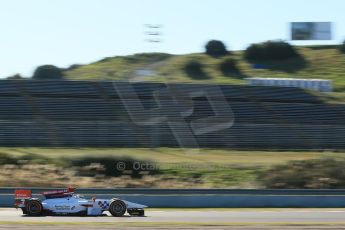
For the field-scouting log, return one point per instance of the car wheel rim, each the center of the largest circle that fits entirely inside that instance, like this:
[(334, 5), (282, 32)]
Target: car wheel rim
[(118, 208), (35, 208)]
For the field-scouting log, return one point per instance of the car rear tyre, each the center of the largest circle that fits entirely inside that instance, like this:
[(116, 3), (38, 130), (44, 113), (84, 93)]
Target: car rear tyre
[(34, 208), (117, 208)]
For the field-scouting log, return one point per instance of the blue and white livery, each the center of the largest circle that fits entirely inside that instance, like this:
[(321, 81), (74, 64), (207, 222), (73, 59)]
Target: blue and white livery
[(66, 202)]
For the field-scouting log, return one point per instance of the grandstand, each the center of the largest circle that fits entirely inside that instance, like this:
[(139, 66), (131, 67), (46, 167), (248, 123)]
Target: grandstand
[(89, 113)]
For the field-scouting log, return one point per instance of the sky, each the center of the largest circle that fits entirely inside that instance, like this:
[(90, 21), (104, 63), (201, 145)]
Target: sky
[(66, 32)]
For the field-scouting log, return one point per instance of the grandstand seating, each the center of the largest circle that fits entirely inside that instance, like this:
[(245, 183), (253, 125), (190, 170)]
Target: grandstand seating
[(85, 113)]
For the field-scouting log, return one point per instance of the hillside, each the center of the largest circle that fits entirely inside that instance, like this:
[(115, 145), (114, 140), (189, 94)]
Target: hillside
[(323, 62)]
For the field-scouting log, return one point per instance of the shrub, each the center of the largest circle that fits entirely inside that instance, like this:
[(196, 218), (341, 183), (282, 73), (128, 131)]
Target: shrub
[(31, 159), (216, 48), (74, 66), (342, 48), (270, 50), (7, 159), (47, 72), (315, 173), (228, 67), (15, 77), (194, 69), (110, 166)]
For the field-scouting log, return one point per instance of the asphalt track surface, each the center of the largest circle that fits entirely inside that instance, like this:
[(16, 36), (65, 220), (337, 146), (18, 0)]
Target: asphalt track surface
[(184, 218)]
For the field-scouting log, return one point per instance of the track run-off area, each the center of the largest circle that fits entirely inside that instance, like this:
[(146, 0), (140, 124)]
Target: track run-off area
[(241, 218)]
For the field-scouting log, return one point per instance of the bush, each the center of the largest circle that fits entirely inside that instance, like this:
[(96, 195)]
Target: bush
[(74, 66), (110, 166), (270, 50), (15, 77), (194, 69), (48, 72), (7, 159), (31, 159), (315, 173), (342, 48), (216, 48), (228, 67)]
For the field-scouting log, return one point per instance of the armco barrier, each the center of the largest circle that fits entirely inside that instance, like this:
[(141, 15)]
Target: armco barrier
[(211, 198)]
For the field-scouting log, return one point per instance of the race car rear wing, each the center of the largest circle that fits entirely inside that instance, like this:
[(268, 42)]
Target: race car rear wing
[(20, 195)]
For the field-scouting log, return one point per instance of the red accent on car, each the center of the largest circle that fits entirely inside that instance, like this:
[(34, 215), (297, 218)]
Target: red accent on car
[(58, 193), (61, 191), (70, 189), (18, 202), (22, 194), (54, 192)]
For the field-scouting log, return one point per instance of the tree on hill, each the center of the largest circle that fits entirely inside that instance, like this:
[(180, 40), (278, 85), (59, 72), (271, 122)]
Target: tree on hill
[(194, 69), (270, 50), (47, 72), (15, 77), (229, 67), (216, 48)]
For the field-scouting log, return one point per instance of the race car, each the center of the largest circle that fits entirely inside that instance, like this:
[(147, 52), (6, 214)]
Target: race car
[(66, 202)]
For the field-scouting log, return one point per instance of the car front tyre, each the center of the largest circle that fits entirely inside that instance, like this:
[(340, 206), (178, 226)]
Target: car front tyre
[(117, 208)]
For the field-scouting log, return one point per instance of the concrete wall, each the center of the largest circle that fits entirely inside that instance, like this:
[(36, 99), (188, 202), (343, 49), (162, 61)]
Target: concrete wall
[(211, 198)]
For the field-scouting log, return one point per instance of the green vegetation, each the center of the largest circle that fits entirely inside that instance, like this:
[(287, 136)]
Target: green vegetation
[(315, 173), (106, 165), (173, 155), (216, 49), (47, 72), (342, 47), (270, 50), (161, 167), (194, 70), (229, 67), (325, 62), (15, 77)]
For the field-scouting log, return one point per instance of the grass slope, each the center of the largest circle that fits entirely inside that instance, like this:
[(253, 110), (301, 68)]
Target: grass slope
[(210, 168), (176, 155), (317, 62)]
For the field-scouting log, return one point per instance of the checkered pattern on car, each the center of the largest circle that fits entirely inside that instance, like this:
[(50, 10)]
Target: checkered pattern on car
[(103, 204)]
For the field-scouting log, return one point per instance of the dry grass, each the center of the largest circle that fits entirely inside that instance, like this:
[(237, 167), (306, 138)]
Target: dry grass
[(210, 168), (51, 175)]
